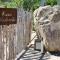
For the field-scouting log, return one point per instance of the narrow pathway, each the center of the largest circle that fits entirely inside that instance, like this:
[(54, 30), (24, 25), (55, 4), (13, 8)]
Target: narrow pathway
[(31, 54)]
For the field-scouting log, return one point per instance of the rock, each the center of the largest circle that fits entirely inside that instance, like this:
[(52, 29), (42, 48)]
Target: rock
[(47, 24)]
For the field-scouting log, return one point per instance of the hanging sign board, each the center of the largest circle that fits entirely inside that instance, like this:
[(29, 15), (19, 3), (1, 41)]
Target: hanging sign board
[(8, 16)]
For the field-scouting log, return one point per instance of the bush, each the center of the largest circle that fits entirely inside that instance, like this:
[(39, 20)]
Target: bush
[(31, 4), (51, 2)]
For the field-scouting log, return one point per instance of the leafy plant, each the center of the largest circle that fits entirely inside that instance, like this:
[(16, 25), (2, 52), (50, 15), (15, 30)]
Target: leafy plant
[(31, 4), (51, 2), (17, 2), (10, 5)]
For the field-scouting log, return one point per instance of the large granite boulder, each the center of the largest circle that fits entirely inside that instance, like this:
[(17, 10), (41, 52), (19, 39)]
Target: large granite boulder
[(47, 25)]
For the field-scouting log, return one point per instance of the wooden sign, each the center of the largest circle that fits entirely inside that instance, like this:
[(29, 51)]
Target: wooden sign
[(8, 16)]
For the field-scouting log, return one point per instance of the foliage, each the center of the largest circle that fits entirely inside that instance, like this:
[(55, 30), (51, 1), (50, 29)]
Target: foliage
[(36, 4), (31, 4), (26, 4), (51, 2), (10, 5), (17, 2), (5, 0)]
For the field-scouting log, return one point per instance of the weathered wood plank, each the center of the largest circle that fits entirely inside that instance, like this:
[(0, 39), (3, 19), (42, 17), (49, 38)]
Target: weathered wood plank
[(15, 37)]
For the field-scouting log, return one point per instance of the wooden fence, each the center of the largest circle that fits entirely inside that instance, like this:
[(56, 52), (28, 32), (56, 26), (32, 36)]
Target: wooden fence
[(15, 37)]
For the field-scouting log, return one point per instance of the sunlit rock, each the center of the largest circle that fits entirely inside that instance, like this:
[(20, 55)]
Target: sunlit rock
[(47, 25)]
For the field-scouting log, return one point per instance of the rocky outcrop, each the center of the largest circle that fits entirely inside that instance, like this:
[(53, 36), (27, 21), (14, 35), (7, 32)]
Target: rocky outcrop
[(47, 24)]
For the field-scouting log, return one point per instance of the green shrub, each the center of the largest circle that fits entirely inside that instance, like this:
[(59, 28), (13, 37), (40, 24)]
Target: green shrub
[(51, 2), (31, 4)]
